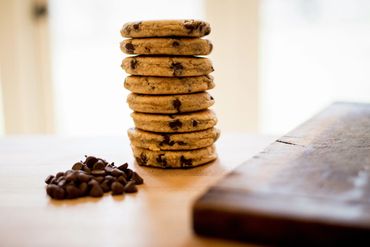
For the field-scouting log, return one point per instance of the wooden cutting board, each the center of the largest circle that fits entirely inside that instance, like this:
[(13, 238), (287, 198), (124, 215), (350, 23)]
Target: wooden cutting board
[(310, 187)]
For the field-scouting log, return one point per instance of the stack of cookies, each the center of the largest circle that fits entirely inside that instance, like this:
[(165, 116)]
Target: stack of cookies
[(173, 126)]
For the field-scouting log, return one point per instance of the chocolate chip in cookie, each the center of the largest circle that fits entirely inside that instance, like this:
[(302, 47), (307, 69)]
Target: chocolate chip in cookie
[(176, 104), (133, 63), (194, 123), (177, 68), (130, 48), (175, 43), (136, 26), (175, 125), (161, 159), (186, 162)]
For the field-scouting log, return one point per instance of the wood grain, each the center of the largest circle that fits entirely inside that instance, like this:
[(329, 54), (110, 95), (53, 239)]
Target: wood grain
[(158, 215), (310, 187)]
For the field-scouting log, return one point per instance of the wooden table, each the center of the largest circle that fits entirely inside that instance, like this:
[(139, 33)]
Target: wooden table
[(158, 215)]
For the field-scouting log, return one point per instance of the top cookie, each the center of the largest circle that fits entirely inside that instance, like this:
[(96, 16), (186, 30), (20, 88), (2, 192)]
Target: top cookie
[(166, 28)]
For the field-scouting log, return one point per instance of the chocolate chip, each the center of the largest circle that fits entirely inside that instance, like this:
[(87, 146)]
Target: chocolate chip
[(138, 180), (62, 182), (123, 167), (77, 182), (176, 104), (130, 187), (194, 123), (54, 181), (175, 125), (142, 160), (177, 68), (96, 191), (207, 31), (99, 179), (117, 188), (98, 172), (128, 174), (83, 177), (181, 143), (90, 161), (130, 48), (175, 44), (116, 172), (71, 177), (105, 186), (136, 25), (211, 98), (133, 63), (54, 191), (186, 162), (49, 179), (83, 188), (72, 191), (161, 159), (166, 141), (77, 166), (122, 180), (109, 179), (92, 183), (99, 165), (108, 169), (190, 25), (59, 174), (86, 169)]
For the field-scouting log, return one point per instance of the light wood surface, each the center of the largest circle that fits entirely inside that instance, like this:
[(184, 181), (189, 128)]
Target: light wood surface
[(158, 215), (310, 187)]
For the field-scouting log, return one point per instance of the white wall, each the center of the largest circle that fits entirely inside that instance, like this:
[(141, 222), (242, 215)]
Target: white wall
[(312, 53)]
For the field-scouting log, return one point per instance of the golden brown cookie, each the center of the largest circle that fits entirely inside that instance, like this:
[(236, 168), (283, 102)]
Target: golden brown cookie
[(168, 85), (166, 46), (169, 104), (167, 66), (175, 141), (165, 28), (185, 122), (174, 159)]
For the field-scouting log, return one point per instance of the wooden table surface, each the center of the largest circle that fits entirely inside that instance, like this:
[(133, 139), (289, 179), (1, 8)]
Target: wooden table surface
[(158, 215)]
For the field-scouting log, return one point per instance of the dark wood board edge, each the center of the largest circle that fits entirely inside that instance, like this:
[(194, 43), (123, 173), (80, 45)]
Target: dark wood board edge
[(210, 218), (251, 225)]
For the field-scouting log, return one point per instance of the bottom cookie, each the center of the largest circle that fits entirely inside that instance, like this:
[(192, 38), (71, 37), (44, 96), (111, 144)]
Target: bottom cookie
[(174, 159)]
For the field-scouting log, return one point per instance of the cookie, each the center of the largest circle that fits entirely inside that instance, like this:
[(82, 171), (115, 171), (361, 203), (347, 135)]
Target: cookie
[(186, 122), (168, 85), (174, 159), (167, 66), (166, 46), (178, 141), (169, 104), (165, 28)]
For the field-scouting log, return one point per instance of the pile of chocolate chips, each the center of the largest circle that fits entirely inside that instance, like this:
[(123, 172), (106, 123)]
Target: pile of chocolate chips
[(92, 177)]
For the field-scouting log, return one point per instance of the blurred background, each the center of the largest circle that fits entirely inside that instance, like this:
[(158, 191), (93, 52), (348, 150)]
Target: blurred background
[(276, 62)]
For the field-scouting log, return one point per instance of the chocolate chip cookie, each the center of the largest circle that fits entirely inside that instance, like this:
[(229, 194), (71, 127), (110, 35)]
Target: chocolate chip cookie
[(165, 28), (169, 104), (186, 122), (174, 159), (177, 141), (167, 46), (167, 66), (168, 85)]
